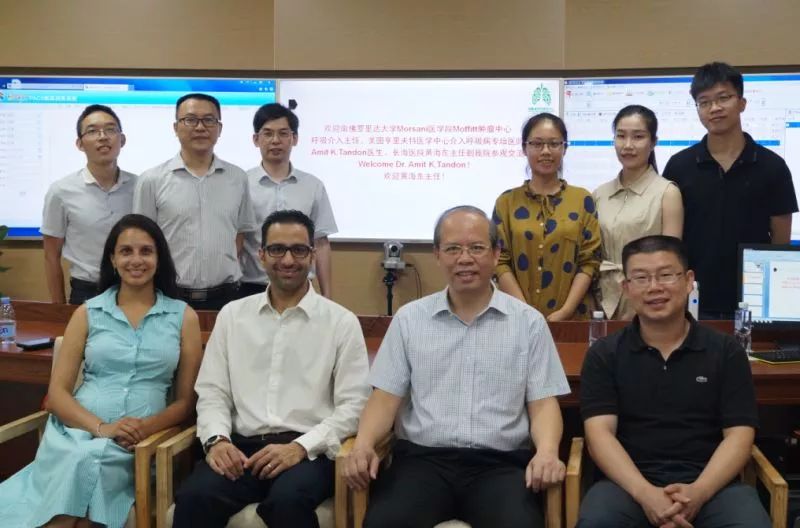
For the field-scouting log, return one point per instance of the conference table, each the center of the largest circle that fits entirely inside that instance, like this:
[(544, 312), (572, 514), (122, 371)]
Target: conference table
[(24, 375)]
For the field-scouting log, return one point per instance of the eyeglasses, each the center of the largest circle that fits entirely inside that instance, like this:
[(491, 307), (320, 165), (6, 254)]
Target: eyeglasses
[(537, 144), (282, 134), (192, 121), (94, 133), (721, 100), (298, 251), (667, 277), (474, 250)]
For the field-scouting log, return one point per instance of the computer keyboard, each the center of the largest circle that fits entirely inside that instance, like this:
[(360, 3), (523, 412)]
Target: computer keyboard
[(788, 354)]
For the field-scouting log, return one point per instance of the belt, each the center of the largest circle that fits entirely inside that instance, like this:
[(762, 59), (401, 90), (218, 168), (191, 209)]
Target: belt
[(82, 284), (272, 438), (206, 294)]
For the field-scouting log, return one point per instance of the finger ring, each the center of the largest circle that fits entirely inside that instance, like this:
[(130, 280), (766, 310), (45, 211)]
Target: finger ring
[(269, 466)]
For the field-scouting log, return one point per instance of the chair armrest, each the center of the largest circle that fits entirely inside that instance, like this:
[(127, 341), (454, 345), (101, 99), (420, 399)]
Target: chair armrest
[(552, 507), (26, 424), (776, 486), (165, 452), (360, 498), (143, 456), (341, 491), (573, 482)]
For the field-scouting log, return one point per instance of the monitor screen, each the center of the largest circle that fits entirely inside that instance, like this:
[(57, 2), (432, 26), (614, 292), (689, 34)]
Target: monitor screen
[(770, 283), (38, 130), (772, 118)]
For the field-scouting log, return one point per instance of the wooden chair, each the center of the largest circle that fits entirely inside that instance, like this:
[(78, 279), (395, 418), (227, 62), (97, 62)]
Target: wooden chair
[(758, 468), (141, 513), (358, 500), (331, 513)]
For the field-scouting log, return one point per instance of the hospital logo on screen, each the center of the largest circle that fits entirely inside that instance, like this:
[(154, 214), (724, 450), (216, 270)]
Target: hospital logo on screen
[(541, 100)]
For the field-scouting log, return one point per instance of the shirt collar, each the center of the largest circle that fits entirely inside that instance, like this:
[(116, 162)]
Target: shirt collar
[(497, 302), (89, 179), (637, 187), (262, 173), (530, 194), (177, 163), (749, 153), (107, 301), (635, 343), (307, 304)]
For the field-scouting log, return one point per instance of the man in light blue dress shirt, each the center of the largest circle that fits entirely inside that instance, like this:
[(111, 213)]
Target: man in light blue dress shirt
[(471, 375)]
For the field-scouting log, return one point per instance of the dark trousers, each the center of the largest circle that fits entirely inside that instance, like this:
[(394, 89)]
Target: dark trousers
[(426, 485), (81, 291), (208, 500), (606, 505), (214, 302), (246, 289)]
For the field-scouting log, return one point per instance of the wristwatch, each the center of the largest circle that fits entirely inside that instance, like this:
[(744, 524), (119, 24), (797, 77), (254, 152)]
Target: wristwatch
[(213, 441)]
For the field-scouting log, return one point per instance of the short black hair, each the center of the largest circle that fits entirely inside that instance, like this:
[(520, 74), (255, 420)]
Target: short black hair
[(287, 216), (165, 279), (96, 108), (437, 229), (202, 97), (714, 73), (271, 112), (652, 244), (531, 123)]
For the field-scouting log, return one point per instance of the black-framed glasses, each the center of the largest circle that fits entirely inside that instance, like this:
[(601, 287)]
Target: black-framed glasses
[(193, 121), (456, 250), (282, 134), (721, 100), (538, 144), (94, 133), (643, 280), (298, 251)]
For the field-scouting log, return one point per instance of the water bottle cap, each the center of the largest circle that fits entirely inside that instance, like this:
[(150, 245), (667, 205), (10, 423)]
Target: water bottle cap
[(695, 285), (598, 314), (5, 300), (743, 305)]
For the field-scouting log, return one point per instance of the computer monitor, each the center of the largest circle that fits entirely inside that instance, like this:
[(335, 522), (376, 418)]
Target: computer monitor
[(769, 282)]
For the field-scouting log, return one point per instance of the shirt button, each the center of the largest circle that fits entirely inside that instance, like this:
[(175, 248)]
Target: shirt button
[(538, 291), (540, 246), (125, 390), (539, 268), (96, 461)]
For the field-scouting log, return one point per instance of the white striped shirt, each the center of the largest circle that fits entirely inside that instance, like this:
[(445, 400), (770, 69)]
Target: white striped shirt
[(468, 385), (82, 213), (200, 217), (300, 191)]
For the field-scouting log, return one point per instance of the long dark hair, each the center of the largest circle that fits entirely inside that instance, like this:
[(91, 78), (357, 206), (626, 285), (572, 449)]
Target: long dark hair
[(165, 278), (650, 121)]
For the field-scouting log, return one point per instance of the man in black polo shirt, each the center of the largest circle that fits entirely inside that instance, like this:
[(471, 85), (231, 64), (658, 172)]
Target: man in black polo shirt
[(734, 190), (669, 408)]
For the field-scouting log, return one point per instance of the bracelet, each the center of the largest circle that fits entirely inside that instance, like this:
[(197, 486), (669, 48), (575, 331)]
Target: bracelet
[(98, 429)]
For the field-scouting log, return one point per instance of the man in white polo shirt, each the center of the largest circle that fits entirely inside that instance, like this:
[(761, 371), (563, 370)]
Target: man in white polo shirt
[(276, 184), (202, 204), (80, 209)]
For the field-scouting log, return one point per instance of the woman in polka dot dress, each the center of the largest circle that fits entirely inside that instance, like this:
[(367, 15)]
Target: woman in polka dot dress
[(637, 203), (549, 235)]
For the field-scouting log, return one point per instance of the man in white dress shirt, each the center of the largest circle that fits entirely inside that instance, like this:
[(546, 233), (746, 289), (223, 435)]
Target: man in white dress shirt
[(282, 383)]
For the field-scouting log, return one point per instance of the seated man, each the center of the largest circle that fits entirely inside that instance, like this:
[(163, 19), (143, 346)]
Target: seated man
[(282, 383), (669, 408), (474, 375)]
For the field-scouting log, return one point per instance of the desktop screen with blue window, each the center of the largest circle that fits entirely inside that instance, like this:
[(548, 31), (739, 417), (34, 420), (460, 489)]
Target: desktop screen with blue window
[(37, 129), (770, 283), (772, 117)]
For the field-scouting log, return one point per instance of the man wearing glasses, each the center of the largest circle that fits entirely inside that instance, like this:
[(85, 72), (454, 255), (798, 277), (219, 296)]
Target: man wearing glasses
[(669, 408), (734, 190), (282, 383), (80, 209), (202, 204), (276, 184), (472, 376)]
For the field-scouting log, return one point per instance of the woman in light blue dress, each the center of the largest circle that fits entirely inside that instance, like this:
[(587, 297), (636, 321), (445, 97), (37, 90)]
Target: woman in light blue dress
[(133, 339)]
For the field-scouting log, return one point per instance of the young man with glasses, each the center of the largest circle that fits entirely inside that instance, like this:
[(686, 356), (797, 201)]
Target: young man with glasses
[(472, 375), (734, 190), (669, 408), (281, 385), (81, 208), (277, 184), (202, 204)]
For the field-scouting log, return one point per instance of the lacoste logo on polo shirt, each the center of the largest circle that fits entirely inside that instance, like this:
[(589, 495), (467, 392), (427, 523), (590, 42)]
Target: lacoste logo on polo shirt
[(701, 379)]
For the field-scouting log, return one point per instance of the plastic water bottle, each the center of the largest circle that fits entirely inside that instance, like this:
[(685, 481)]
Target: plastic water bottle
[(597, 326), (743, 327), (8, 322), (694, 301)]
